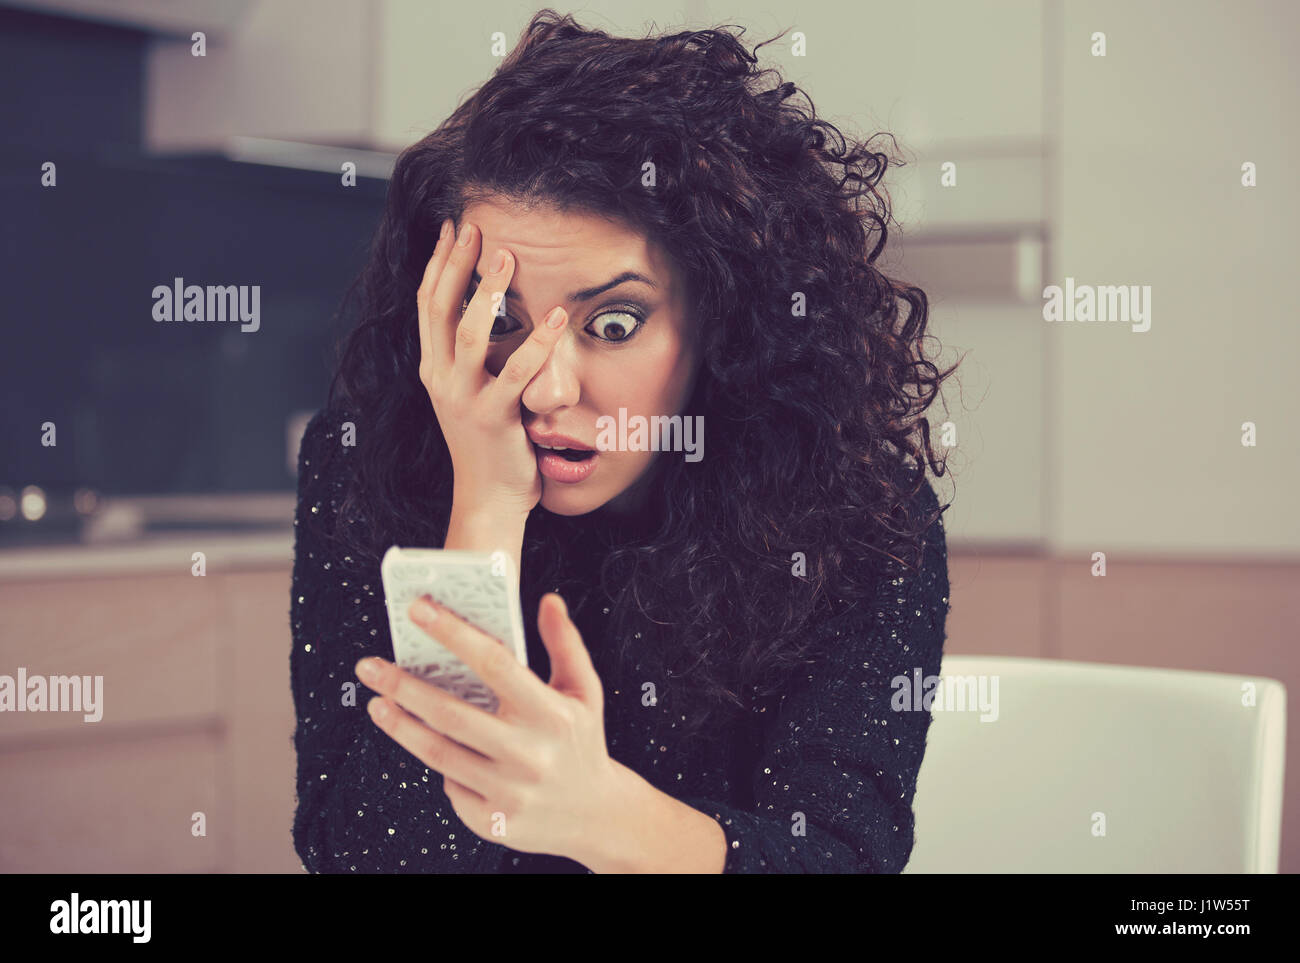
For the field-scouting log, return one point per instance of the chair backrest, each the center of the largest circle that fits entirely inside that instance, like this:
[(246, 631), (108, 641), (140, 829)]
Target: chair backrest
[(1100, 769)]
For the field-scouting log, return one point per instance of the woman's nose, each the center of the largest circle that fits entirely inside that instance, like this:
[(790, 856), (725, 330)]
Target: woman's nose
[(557, 384)]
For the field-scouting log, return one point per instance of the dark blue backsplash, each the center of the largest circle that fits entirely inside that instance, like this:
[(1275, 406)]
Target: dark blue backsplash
[(142, 406)]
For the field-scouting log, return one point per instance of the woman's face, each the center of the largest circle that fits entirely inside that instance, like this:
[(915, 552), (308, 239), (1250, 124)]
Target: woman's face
[(626, 346)]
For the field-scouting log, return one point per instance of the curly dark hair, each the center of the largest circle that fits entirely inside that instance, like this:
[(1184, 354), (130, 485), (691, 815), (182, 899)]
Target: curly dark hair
[(817, 437)]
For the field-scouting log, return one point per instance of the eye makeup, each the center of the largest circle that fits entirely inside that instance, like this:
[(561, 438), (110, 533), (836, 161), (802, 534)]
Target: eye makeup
[(634, 309), (637, 312)]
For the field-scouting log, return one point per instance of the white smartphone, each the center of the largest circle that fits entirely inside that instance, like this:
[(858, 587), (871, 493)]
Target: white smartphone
[(480, 587)]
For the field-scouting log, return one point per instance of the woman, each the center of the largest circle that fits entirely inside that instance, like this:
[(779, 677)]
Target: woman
[(719, 626)]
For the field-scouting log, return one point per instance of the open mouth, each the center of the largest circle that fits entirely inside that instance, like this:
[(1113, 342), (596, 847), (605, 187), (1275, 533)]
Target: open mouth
[(568, 454)]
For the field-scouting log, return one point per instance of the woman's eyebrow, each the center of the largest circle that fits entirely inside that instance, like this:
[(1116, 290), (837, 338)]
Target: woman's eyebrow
[(586, 294)]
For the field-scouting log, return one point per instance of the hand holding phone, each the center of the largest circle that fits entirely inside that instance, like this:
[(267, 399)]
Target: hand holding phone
[(480, 587)]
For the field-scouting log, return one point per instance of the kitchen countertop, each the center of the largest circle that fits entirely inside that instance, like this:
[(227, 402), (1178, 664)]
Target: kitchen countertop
[(171, 552)]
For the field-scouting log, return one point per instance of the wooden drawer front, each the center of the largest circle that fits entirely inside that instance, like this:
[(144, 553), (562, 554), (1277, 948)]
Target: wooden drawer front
[(113, 806), (152, 638)]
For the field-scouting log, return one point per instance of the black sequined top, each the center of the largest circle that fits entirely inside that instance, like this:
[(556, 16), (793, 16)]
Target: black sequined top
[(819, 779)]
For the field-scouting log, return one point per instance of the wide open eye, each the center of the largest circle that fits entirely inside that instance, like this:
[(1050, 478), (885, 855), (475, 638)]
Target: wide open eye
[(615, 326)]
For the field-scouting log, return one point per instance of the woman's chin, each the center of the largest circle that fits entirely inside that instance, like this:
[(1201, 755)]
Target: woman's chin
[(561, 499)]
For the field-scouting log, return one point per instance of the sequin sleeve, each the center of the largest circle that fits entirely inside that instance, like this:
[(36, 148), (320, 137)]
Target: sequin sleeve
[(365, 804), (837, 767)]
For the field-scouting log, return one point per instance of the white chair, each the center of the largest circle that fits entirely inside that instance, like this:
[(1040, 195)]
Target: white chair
[(1185, 773)]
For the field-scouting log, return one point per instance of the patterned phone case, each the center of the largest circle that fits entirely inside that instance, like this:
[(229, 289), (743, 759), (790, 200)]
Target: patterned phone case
[(479, 587)]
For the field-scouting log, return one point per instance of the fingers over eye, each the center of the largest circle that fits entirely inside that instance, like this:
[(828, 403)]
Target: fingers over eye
[(435, 334), (524, 363), (449, 291), (473, 333)]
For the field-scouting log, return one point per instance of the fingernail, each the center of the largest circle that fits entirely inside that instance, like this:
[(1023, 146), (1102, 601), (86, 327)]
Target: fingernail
[(446, 229), (369, 669), (378, 708), (499, 262), (555, 319), (463, 240), (422, 610)]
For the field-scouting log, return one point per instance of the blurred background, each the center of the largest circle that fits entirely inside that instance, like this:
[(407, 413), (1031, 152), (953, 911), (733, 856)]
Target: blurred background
[(226, 169)]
